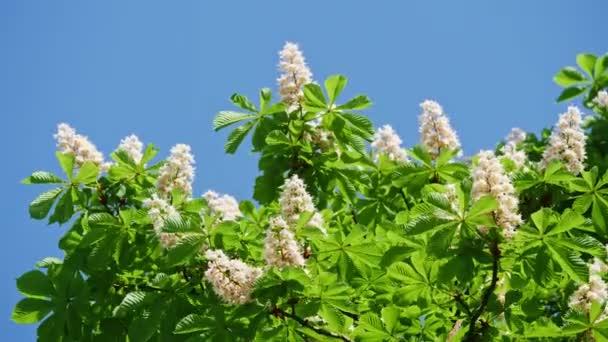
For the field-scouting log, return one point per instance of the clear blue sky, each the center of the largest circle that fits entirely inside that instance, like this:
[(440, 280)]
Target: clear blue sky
[(163, 69)]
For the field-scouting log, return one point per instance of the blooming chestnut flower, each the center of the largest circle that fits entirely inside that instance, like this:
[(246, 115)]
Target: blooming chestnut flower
[(159, 211), (387, 141), (489, 179), (295, 200), (567, 142), (281, 249), (231, 279), (79, 146), (435, 129), (295, 75), (133, 147), (177, 172), (225, 207)]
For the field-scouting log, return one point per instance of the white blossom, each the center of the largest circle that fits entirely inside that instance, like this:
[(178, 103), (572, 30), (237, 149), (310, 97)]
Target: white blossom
[(436, 132), (295, 74), (231, 279), (177, 172), (159, 211), (387, 141), (280, 246), (567, 142), (295, 200), (598, 266), (516, 135), (509, 150), (601, 100), (133, 147), (225, 207), (489, 179), (586, 294), (79, 146)]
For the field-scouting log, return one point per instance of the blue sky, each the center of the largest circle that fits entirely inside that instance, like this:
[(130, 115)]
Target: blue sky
[(163, 69)]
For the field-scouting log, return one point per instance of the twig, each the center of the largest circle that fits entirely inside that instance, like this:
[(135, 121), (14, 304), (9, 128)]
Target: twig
[(470, 336), (303, 322)]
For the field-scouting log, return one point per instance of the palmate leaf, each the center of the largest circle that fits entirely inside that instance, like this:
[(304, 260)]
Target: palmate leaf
[(35, 284), (334, 85), (132, 301), (570, 263), (227, 118), (31, 310), (360, 124), (236, 137), (187, 246), (42, 177), (40, 207), (358, 102), (193, 323)]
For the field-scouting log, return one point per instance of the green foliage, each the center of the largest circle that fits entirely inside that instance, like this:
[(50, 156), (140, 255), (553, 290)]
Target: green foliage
[(407, 251)]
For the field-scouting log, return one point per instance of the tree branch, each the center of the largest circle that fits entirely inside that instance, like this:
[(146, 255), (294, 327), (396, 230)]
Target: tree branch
[(471, 334), (303, 322)]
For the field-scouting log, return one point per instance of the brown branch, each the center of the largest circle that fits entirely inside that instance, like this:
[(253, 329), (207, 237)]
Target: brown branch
[(471, 334)]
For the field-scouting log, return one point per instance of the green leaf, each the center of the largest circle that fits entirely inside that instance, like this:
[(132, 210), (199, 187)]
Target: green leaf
[(571, 92), (41, 206), (87, 174), (277, 137), (314, 97), (66, 161), (569, 219), (64, 210), (334, 85), (358, 102), (193, 323), (361, 123), (568, 76), (265, 98), (149, 153), (390, 317), (31, 310), (242, 102), (188, 245), (179, 224), (570, 263), (587, 62), (227, 118), (236, 137), (483, 206), (130, 302), (42, 177), (35, 284)]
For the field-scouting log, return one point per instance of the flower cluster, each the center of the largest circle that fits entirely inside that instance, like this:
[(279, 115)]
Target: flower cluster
[(509, 150), (489, 179), (295, 74), (601, 100), (177, 172), (295, 200), (159, 210), (133, 147), (516, 135), (436, 132), (280, 246), (225, 207), (79, 146), (231, 279), (595, 290), (387, 141), (567, 142)]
